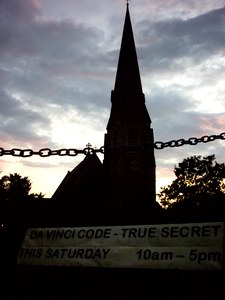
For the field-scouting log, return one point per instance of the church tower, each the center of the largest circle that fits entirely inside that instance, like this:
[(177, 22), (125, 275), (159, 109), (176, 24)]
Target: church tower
[(129, 161), (122, 189)]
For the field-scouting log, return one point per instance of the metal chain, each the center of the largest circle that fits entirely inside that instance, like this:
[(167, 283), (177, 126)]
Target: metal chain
[(45, 152), (191, 141)]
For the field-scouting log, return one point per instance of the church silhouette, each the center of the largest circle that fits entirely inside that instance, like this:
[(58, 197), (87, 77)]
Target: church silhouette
[(121, 190)]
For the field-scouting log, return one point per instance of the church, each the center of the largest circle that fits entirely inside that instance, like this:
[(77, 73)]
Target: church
[(121, 190)]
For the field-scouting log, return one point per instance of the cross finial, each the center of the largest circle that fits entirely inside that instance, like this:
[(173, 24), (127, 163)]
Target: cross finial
[(88, 150), (88, 145), (128, 2)]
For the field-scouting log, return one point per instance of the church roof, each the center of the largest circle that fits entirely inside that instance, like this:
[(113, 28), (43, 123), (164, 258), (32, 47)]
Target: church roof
[(88, 173)]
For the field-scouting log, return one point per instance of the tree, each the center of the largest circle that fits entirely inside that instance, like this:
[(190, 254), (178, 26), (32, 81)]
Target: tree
[(198, 179), (14, 187), (18, 210)]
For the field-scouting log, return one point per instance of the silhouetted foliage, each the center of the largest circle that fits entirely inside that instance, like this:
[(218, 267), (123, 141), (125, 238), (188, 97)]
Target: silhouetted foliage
[(198, 185), (19, 209), (14, 187), (17, 205)]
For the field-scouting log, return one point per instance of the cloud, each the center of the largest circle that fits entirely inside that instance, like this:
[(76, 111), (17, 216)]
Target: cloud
[(175, 115), (46, 64), (167, 43), (15, 16), (17, 122), (17, 11)]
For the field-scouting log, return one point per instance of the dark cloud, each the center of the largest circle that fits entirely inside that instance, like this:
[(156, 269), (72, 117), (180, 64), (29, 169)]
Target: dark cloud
[(164, 43), (52, 61), (175, 116), (17, 122), (15, 17), (22, 10), (44, 63)]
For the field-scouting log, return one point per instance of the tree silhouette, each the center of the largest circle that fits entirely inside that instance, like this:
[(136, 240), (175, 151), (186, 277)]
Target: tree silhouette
[(199, 182), (17, 204), (14, 187), (18, 209)]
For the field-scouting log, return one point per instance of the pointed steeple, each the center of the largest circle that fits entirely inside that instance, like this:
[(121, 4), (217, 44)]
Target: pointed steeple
[(129, 162), (128, 75), (128, 100)]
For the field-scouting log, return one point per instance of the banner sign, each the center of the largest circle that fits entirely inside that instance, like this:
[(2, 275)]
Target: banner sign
[(164, 246)]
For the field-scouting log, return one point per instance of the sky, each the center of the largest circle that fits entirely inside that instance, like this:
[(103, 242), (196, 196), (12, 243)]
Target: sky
[(58, 62)]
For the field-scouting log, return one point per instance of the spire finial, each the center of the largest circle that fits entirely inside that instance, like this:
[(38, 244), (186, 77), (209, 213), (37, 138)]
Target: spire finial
[(128, 2)]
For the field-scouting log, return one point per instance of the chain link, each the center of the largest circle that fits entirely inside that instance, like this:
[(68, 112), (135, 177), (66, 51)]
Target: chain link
[(191, 141), (46, 152)]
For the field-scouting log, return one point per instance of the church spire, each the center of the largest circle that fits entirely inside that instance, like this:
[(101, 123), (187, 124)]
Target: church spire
[(128, 101), (129, 161), (128, 75)]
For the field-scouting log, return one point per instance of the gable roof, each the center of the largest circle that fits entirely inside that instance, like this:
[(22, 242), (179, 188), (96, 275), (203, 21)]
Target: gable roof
[(87, 174)]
